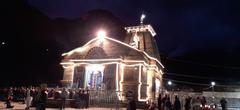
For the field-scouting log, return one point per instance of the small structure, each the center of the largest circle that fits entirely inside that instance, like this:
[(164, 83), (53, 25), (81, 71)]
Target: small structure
[(105, 63)]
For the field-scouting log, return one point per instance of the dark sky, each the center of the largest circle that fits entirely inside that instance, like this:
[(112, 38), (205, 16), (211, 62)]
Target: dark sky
[(195, 37)]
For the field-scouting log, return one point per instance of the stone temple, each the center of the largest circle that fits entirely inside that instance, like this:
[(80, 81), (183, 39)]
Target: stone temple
[(107, 64)]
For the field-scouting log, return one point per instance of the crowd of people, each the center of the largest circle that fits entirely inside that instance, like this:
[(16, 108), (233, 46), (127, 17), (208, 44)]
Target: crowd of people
[(189, 103), (38, 96)]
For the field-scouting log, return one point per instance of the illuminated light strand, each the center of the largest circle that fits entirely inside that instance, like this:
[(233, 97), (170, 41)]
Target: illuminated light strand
[(94, 59), (139, 81), (122, 77), (67, 63), (72, 75), (121, 80), (148, 84), (126, 61), (136, 50), (122, 72), (141, 28), (139, 85), (80, 48), (118, 92)]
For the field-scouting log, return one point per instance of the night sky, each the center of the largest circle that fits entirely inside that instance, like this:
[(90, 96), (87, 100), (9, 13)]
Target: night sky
[(198, 40)]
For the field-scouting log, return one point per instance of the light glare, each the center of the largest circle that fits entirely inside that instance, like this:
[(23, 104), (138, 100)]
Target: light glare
[(213, 83), (101, 34), (169, 82)]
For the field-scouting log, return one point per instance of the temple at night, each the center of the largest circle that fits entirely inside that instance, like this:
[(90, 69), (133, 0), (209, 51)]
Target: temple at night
[(105, 64)]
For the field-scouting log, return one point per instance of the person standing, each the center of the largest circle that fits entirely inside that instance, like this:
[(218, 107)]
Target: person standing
[(64, 96), (159, 102), (168, 104), (152, 106), (131, 105), (188, 103), (177, 104), (9, 98), (203, 101), (28, 99), (223, 103), (43, 99), (164, 99)]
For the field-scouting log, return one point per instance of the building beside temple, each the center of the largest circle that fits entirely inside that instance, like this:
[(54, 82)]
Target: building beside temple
[(105, 63)]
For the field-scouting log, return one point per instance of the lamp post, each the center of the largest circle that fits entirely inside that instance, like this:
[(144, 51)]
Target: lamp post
[(213, 84), (170, 84)]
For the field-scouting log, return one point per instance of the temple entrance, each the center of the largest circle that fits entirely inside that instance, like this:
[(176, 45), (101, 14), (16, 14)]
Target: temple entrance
[(94, 77)]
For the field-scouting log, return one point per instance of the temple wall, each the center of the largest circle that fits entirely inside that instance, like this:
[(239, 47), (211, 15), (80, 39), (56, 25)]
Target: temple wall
[(150, 80), (79, 77), (68, 76)]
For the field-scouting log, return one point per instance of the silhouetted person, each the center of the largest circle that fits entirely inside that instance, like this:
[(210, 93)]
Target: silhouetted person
[(152, 106), (164, 99), (187, 103), (64, 96), (223, 103), (177, 104), (159, 102), (131, 105), (9, 98), (168, 104), (203, 101), (42, 100), (87, 99)]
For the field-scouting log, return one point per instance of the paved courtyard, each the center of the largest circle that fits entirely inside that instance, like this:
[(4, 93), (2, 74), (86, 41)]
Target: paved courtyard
[(19, 106)]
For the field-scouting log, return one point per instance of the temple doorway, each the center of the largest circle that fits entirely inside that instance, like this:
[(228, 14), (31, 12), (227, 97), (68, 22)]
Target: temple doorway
[(94, 77)]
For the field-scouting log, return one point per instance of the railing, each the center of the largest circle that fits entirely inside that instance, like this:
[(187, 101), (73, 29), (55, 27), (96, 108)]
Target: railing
[(104, 98)]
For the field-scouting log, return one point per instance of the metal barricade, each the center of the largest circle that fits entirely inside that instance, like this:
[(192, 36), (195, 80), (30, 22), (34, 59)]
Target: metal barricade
[(104, 98)]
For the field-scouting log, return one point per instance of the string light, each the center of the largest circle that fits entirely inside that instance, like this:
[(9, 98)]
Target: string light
[(81, 48), (141, 28)]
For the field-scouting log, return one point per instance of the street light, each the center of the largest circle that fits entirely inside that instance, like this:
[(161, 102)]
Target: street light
[(169, 83), (213, 84)]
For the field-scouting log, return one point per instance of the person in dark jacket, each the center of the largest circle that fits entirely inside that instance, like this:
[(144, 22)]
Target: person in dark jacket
[(177, 104), (9, 98), (223, 103), (168, 104), (131, 105), (159, 102), (42, 100), (164, 99), (188, 103)]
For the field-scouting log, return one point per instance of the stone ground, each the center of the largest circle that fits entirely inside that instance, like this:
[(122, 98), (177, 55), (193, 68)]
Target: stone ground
[(19, 106)]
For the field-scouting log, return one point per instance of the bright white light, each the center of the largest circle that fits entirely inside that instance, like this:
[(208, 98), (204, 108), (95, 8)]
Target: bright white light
[(143, 16), (95, 67), (3, 43), (101, 34), (170, 83), (213, 83)]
